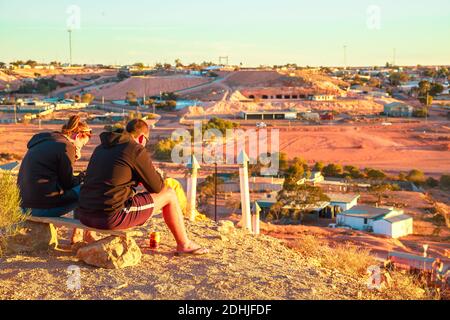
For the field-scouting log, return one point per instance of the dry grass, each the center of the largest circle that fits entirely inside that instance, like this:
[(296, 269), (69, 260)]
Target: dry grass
[(353, 261), (346, 258), (10, 213)]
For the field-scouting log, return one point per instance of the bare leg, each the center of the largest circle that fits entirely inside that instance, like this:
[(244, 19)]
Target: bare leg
[(167, 201)]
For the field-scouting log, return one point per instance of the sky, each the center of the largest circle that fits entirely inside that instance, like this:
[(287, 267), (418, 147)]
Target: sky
[(251, 32)]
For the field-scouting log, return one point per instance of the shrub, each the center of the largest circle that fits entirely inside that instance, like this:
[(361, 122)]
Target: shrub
[(10, 212), (416, 176), (445, 182), (432, 183)]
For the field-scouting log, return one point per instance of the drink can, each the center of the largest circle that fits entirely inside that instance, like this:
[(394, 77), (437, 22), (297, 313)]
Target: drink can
[(155, 240)]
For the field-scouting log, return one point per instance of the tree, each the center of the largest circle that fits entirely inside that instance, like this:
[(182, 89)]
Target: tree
[(2, 65), (424, 93), (436, 89), (353, 172), (333, 170), (318, 167), (31, 63), (87, 98), (374, 174), (416, 176), (396, 78), (297, 170), (178, 63), (300, 197), (139, 65)]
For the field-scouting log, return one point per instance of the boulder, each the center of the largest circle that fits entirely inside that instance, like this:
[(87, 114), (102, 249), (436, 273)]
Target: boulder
[(226, 227), (111, 253), (33, 237)]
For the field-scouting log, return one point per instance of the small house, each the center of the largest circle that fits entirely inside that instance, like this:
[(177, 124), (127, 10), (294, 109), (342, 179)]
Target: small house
[(398, 109), (379, 220)]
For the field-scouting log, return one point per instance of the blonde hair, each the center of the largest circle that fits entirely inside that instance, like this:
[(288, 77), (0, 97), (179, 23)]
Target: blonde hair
[(76, 126)]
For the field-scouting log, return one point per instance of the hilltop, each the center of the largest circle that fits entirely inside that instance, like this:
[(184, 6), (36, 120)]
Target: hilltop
[(240, 266)]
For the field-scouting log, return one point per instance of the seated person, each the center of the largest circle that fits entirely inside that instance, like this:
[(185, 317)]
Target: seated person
[(108, 200), (47, 185)]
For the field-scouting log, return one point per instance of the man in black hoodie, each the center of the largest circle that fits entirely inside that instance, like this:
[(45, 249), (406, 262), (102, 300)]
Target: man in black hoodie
[(108, 199)]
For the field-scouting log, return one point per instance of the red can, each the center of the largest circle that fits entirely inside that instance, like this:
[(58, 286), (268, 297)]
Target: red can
[(155, 240)]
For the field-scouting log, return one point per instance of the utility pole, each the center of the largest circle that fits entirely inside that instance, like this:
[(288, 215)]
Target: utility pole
[(70, 46), (15, 110), (345, 57), (215, 191)]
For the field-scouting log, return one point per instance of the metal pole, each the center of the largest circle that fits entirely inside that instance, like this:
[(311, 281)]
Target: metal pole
[(70, 46), (215, 193)]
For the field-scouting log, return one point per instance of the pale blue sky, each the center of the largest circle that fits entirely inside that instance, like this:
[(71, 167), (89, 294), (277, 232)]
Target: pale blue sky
[(253, 32)]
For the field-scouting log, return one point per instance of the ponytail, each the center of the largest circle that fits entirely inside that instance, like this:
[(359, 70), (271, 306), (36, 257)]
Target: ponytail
[(75, 126)]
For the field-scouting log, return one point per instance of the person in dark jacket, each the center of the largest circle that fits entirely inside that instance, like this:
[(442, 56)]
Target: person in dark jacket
[(48, 187), (108, 199)]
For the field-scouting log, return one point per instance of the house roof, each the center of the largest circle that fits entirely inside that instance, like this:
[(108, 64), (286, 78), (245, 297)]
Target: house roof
[(368, 212), (13, 166), (342, 197), (399, 218)]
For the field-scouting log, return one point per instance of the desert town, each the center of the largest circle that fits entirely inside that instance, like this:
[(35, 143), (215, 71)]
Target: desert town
[(364, 153)]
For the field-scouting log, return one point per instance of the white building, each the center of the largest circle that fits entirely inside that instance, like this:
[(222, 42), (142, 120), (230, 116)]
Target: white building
[(343, 200), (385, 221), (323, 97)]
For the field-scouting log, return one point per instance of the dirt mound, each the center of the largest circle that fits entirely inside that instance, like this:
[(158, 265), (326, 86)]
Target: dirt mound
[(262, 79), (150, 86), (237, 96)]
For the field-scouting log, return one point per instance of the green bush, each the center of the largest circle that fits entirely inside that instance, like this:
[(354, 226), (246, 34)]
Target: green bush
[(10, 212)]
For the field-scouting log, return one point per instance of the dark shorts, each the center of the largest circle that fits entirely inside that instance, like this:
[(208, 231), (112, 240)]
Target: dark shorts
[(138, 210)]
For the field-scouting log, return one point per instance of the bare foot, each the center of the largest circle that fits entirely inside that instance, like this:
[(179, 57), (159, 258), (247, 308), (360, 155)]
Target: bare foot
[(191, 248), (77, 236)]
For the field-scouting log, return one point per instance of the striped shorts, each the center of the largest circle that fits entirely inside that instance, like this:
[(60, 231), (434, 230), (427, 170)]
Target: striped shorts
[(138, 210)]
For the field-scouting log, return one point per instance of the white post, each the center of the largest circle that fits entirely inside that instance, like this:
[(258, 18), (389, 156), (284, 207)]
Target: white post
[(243, 161), (194, 166), (256, 214)]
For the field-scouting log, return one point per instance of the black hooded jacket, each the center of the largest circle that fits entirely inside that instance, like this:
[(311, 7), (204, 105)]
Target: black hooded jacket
[(46, 174), (117, 166)]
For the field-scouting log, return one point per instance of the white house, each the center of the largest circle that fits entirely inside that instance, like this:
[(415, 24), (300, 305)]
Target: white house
[(343, 200), (380, 220)]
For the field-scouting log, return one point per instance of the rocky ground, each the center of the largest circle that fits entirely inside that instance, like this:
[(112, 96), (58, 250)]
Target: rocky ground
[(240, 266)]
